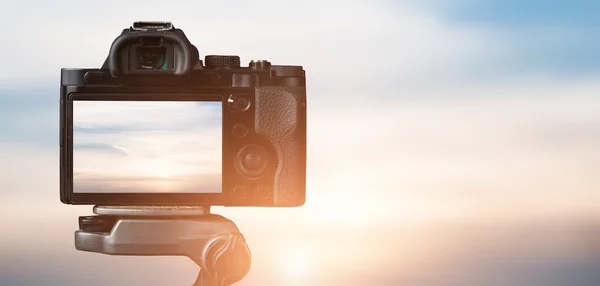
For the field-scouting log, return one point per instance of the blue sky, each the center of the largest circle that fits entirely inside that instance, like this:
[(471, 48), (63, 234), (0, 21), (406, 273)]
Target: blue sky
[(514, 13), (549, 38), (557, 36), (20, 106), (477, 115)]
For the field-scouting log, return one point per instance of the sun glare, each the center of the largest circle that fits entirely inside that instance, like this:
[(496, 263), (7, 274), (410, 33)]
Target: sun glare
[(296, 265)]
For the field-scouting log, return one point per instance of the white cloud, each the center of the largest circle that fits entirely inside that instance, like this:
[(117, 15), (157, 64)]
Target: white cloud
[(475, 146), (359, 44), (481, 155), (29, 173), (144, 114), (468, 150), (156, 147), (468, 156)]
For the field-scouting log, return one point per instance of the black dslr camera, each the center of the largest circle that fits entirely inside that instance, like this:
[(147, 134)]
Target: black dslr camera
[(157, 126)]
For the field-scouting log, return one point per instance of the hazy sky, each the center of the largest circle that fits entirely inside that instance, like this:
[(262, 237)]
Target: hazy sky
[(147, 147), (462, 135)]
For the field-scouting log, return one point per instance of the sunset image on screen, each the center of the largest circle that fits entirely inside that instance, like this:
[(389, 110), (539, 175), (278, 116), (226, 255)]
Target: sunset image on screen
[(146, 147)]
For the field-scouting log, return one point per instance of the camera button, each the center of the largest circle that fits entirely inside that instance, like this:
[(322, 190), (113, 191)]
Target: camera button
[(253, 161), (239, 130), (238, 102), (260, 65), (92, 77), (262, 193), (239, 192), (242, 102)]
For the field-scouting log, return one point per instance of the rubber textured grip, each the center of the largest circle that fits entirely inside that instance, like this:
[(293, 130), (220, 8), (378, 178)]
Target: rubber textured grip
[(281, 119)]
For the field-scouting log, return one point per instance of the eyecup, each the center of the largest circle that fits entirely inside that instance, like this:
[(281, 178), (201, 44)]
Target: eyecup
[(182, 65)]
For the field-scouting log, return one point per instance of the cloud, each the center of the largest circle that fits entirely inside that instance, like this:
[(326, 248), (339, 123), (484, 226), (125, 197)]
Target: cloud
[(359, 49), (104, 148), (474, 152), (136, 116), (158, 146), (413, 116), (358, 46), (115, 182), (29, 173), (469, 156), (391, 86)]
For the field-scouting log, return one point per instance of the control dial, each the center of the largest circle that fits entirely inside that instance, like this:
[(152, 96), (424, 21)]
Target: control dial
[(252, 161), (291, 71), (227, 62)]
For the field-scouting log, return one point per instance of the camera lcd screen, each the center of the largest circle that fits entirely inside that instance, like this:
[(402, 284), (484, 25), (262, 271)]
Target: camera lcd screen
[(147, 146)]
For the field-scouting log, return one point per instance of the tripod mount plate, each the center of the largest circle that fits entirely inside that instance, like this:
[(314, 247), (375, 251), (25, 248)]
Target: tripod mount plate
[(151, 211), (211, 241)]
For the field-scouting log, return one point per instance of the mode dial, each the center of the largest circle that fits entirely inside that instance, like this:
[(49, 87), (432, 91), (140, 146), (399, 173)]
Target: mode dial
[(291, 71), (222, 62)]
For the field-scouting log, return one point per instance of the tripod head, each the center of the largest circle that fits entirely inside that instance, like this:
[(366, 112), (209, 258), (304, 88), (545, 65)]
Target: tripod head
[(212, 241)]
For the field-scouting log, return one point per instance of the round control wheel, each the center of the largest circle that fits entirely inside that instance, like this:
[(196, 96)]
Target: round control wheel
[(227, 62), (238, 102), (252, 161)]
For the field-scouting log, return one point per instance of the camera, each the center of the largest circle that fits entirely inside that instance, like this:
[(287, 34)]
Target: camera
[(157, 126)]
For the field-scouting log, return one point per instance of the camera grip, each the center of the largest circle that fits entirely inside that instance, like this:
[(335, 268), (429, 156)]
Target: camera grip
[(281, 119)]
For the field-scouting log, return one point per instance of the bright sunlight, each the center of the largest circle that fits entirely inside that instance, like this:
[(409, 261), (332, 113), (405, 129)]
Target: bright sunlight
[(296, 265)]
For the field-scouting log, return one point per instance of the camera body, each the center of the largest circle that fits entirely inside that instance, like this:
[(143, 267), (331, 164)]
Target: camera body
[(263, 126)]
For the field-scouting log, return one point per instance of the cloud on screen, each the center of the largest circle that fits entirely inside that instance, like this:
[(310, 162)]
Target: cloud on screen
[(145, 147)]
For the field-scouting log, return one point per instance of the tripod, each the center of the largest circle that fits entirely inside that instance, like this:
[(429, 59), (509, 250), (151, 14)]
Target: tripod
[(212, 241)]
